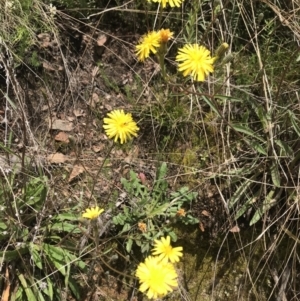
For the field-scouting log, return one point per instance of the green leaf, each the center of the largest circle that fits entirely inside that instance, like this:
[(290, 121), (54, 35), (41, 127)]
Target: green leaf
[(49, 289), (67, 276), (145, 247), (119, 219), (160, 184), (35, 253), (268, 203), (129, 245), (294, 122), (239, 193), (257, 146), (246, 130), (62, 260), (75, 260), (27, 289), (184, 195), (228, 98), (189, 220), (13, 255), (275, 174), (57, 256), (158, 210), (36, 192), (134, 187), (13, 105), (246, 206), (245, 117), (75, 289), (66, 217), (66, 227), (173, 236), (3, 226), (285, 149), (162, 171), (210, 103), (263, 116), (19, 295), (126, 227)]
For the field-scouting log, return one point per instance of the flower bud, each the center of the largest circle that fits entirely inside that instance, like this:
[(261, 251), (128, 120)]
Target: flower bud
[(260, 18), (228, 58), (221, 50)]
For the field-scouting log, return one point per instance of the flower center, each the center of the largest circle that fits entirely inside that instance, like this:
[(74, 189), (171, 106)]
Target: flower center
[(157, 278), (168, 250)]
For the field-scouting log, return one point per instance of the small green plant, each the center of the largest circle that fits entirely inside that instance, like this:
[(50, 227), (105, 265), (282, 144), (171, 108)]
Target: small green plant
[(272, 153), (37, 245), (152, 212)]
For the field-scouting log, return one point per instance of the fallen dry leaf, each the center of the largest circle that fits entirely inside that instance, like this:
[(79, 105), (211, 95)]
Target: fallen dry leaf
[(44, 36), (205, 213), (45, 108), (78, 113), (62, 137), (70, 118), (47, 66), (235, 229), (101, 40), (94, 100), (98, 148), (52, 67), (6, 290), (95, 71), (62, 125), (201, 227), (56, 158), (142, 177), (76, 171)]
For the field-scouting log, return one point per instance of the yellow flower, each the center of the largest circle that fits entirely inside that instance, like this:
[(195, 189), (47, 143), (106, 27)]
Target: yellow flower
[(148, 42), (165, 35), (165, 251), (171, 2), (119, 125), (195, 61), (92, 213), (156, 277)]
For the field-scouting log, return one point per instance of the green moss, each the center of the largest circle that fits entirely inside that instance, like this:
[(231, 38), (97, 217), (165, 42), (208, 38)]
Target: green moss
[(220, 269)]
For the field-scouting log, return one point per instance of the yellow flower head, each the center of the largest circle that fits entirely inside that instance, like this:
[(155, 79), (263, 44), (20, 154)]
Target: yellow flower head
[(156, 277), (165, 35), (148, 42), (195, 61), (171, 2), (119, 125), (92, 213), (165, 251)]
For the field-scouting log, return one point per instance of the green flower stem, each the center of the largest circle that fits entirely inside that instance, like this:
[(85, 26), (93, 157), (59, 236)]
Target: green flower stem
[(99, 170), (96, 235), (163, 47), (161, 58), (160, 14)]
